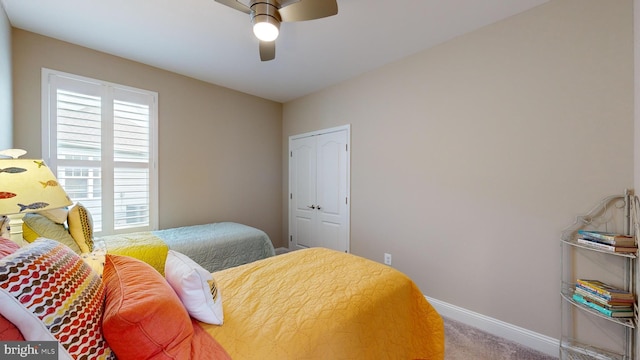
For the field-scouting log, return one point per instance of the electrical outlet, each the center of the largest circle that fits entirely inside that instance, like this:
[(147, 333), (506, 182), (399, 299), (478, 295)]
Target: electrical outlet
[(387, 258)]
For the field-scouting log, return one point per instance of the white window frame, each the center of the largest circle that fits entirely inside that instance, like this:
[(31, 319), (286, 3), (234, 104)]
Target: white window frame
[(48, 129)]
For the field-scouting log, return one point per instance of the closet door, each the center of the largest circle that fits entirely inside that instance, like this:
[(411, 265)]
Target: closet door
[(302, 199), (319, 190), (331, 190)]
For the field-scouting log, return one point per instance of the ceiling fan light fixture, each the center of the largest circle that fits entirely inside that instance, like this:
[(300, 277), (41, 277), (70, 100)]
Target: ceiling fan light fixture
[(266, 20), (266, 30)]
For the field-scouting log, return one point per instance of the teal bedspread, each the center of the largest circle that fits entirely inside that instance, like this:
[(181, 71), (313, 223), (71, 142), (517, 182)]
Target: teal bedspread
[(218, 246)]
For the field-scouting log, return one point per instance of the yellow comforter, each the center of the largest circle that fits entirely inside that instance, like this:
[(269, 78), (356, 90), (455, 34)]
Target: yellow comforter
[(323, 304)]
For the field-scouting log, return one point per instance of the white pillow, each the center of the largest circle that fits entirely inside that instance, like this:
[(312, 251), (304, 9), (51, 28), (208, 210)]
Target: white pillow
[(195, 287)]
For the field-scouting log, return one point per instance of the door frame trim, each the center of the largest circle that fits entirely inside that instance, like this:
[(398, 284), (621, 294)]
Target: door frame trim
[(323, 131), (346, 127)]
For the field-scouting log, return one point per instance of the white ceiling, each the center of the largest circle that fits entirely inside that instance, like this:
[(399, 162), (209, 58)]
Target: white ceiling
[(214, 43)]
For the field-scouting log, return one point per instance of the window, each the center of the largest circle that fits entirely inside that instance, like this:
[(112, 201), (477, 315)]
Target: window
[(100, 139)]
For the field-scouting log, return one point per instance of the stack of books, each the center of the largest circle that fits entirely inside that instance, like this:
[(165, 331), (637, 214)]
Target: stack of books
[(607, 299), (608, 241)]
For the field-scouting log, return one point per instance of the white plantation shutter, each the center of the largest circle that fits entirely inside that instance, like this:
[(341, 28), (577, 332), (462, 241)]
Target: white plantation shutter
[(100, 138)]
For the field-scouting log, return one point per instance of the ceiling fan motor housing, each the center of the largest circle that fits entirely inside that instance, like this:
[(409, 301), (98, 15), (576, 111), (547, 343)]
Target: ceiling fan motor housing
[(265, 11)]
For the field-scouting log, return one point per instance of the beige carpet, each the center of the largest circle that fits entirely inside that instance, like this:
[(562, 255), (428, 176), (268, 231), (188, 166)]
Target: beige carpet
[(463, 342)]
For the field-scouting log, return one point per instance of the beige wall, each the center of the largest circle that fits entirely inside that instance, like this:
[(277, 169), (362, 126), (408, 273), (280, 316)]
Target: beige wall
[(636, 152), (6, 102), (219, 150), (636, 42), (470, 158)]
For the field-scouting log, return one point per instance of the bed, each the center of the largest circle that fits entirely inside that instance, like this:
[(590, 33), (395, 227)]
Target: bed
[(214, 246), (307, 304), (323, 304)]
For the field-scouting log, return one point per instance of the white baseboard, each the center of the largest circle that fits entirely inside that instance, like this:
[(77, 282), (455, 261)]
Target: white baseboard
[(281, 250), (542, 343)]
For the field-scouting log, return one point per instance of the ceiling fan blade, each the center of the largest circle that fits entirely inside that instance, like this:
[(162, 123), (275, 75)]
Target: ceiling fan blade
[(267, 50), (308, 10), (235, 4)]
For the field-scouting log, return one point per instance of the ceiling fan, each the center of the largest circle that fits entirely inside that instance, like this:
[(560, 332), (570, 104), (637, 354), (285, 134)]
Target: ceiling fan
[(266, 16)]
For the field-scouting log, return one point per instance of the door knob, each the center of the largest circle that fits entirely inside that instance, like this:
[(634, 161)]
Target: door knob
[(318, 207), (311, 207)]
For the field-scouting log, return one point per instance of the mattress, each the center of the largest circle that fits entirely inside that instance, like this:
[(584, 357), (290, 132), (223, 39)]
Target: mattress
[(323, 304)]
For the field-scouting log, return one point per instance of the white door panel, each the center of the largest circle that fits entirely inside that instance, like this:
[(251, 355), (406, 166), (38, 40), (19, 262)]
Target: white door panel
[(304, 229), (304, 178), (331, 158), (319, 190), (330, 234)]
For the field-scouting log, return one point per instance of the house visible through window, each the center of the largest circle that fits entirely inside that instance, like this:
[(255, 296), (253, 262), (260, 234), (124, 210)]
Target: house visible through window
[(100, 139)]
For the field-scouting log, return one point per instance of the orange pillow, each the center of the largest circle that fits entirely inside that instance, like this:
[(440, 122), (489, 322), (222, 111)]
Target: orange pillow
[(8, 331), (143, 316)]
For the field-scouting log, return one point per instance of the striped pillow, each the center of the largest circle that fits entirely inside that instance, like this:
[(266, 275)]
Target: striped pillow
[(8, 331), (7, 247), (49, 293)]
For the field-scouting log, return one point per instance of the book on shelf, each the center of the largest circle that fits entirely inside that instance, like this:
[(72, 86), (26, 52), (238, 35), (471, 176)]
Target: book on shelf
[(608, 299), (606, 247), (605, 290), (608, 312), (609, 238), (609, 304)]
